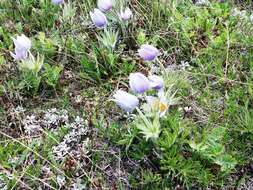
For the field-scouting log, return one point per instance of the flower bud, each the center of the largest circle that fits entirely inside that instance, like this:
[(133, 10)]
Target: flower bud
[(156, 82), (98, 18), (148, 52), (56, 2), (138, 82), (105, 5), (126, 15), (125, 101)]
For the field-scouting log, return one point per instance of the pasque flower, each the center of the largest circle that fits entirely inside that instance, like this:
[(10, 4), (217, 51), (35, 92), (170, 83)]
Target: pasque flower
[(159, 103), (126, 14), (19, 54), (98, 18), (156, 82), (148, 52), (22, 42), (105, 5), (22, 45), (138, 83), (56, 2), (125, 101)]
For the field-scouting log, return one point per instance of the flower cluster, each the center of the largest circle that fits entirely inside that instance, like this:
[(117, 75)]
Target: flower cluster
[(147, 120), (109, 38), (139, 84), (154, 106), (99, 18)]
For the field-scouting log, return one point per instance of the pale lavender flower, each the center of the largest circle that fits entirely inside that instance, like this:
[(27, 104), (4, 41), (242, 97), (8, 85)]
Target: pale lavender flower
[(125, 101), (105, 5), (138, 83), (98, 18), (22, 42), (56, 2), (156, 82), (148, 52), (126, 14), (22, 45), (19, 54), (159, 103)]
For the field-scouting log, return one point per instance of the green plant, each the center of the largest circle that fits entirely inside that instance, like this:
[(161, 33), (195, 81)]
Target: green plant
[(51, 74), (108, 39), (212, 149), (29, 70), (204, 141)]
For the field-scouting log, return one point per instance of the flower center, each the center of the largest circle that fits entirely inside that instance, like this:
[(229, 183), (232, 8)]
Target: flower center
[(162, 107)]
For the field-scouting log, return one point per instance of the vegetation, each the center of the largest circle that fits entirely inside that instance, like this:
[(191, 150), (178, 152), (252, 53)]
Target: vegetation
[(181, 73)]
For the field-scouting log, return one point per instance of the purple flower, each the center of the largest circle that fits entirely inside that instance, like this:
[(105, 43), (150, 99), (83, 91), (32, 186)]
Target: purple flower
[(125, 101), (138, 82), (126, 14), (148, 52), (156, 82), (56, 2), (98, 18), (105, 5), (22, 42), (19, 54), (22, 45)]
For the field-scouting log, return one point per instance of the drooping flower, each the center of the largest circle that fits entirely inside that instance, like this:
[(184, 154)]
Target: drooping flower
[(56, 2), (98, 18), (105, 5), (138, 83), (125, 101), (22, 45), (156, 82), (126, 14), (148, 52)]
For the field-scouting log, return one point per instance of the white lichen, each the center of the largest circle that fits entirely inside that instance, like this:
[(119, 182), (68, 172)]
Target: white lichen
[(70, 142)]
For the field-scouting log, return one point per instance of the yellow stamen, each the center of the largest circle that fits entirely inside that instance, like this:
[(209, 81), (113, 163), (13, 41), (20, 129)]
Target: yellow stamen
[(162, 107)]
